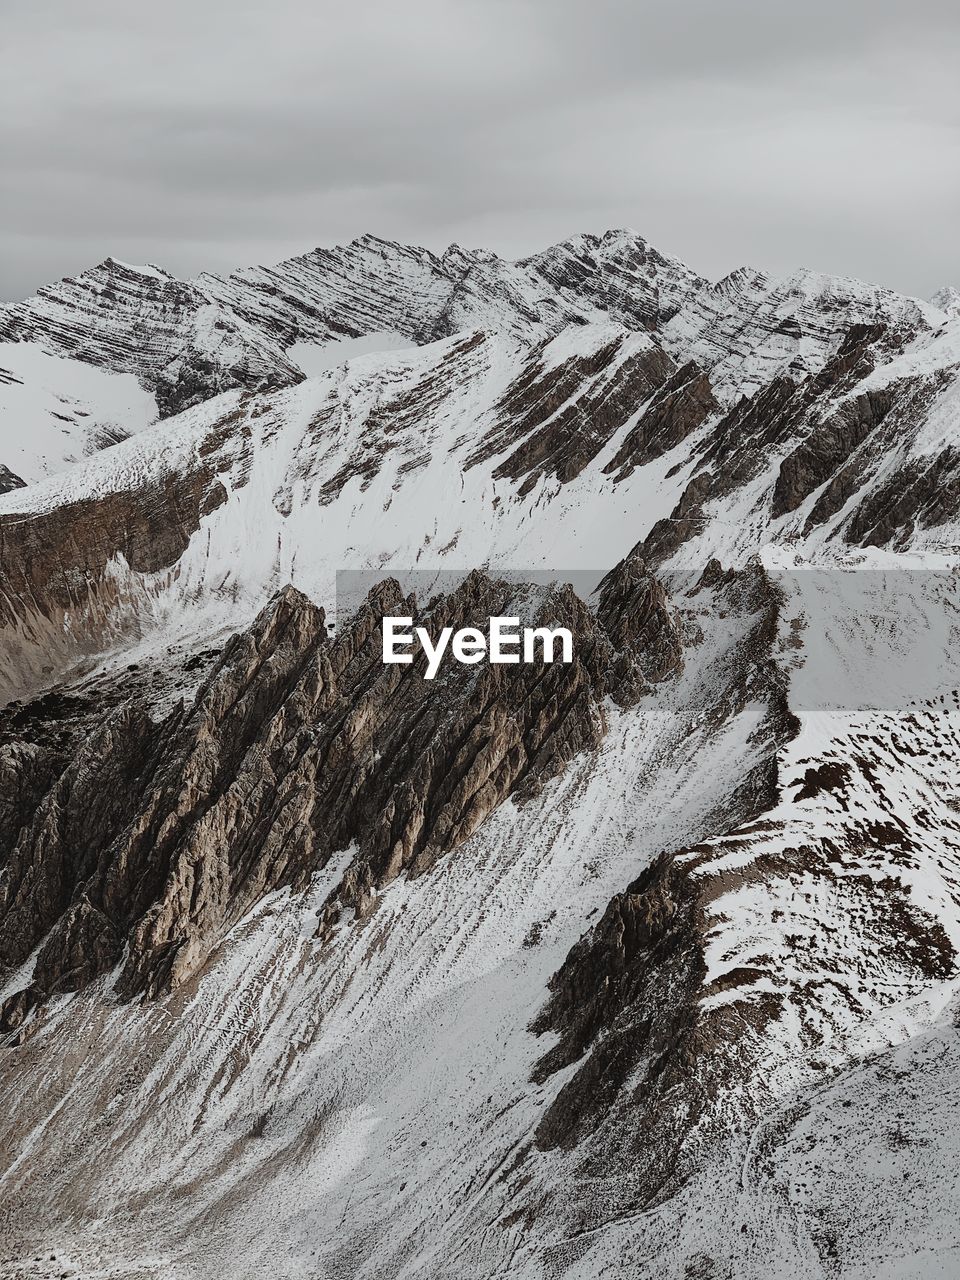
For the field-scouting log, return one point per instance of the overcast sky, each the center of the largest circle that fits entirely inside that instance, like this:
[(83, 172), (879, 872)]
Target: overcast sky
[(202, 134)]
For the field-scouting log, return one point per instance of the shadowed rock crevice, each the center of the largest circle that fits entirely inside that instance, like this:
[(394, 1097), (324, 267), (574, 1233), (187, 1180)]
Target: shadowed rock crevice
[(827, 448)]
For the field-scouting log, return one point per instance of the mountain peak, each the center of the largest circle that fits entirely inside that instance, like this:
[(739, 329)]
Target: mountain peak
[(146, 270), (947, 299)]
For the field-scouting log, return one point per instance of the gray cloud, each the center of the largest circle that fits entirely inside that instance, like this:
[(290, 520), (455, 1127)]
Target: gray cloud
[(201, 135)]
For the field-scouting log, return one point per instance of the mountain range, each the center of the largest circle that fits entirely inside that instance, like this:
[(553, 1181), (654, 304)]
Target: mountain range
[(644, 965)]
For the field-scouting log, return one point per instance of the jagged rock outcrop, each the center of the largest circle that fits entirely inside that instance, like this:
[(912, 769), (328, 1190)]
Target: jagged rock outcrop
[(749, 328), (679, 407), (9, 481), (814, 450), (570, 400), (759, 425), (625, 1002), (827, 449), (622, 275), (635, 612), (139, 842), (921, 493)]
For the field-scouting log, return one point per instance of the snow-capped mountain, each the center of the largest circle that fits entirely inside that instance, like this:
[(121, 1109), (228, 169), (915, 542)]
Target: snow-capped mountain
[(947, 299), (188, 340), (311, 966)]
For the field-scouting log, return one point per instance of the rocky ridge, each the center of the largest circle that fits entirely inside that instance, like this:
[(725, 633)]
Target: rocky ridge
[(189, 340), (481, 448), (296, 746)]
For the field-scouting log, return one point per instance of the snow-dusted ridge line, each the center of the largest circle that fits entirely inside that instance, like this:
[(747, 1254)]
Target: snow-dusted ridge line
[(188, 340), (460, 453), (370, 284)]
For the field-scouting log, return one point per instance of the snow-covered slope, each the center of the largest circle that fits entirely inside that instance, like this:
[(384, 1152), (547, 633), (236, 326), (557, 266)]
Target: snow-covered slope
[(418, 460), (748, 328), (55, 411)]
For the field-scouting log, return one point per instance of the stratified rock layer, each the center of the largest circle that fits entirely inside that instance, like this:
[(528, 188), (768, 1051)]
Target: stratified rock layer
[(140, 842)]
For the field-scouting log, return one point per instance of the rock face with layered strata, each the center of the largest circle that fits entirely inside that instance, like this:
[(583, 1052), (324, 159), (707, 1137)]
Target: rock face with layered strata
[(138, 841)]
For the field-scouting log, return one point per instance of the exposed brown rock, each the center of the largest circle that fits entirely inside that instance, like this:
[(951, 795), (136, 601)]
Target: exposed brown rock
[(922, 493), (683, 403), (56, 564), (140, 842), (634, 610), (828, 447), (557, 419), (738, 448), (644, 956)]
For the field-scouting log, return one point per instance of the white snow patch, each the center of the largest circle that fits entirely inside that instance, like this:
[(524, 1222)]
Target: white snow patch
[(318, 357), (55, 411)]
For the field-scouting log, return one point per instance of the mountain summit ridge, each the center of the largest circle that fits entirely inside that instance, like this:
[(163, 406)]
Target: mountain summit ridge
[(184, 341)]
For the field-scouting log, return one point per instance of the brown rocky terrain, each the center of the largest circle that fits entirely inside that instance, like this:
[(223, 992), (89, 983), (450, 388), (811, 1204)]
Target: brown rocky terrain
[(138, 841)]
